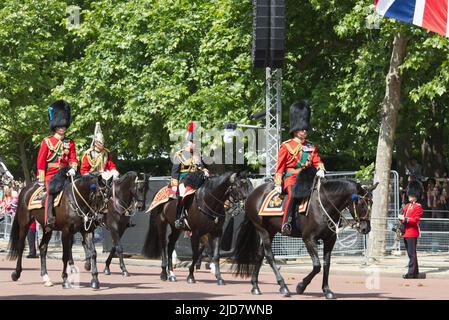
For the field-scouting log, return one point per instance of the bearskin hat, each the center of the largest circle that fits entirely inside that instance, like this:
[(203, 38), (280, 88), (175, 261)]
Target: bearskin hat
[(59, 114), (414, 189), (299, 116)]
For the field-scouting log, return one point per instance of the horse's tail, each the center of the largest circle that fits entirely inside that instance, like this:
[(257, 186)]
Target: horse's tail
[(152, 246), (14, 239), (228, 235), (246, 252)]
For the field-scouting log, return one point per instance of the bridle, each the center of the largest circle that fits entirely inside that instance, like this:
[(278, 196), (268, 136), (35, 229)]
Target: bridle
[(335, 226), (120, 206), (87, 217)]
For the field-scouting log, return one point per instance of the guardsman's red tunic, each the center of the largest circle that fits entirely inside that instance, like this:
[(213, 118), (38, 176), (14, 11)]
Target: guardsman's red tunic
[(293, 156), (54, 154), (94, 161), (412, 215)]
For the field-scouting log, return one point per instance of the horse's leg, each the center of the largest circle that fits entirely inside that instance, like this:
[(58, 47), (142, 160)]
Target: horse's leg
[(200, 258), (20, 246), (89, 239), (119, 250), (312, 249), (266, 241), (255, 276), (195, 241), (162, 229), (172, 238), (67, 239), (107, 271), (216, 260), (327, 250), (43, 246), (87, 263)]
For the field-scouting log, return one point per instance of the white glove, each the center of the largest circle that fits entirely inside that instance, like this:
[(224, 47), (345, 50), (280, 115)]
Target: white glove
[(206, 173), (278, 189), (71, 172), (320, 173), (115, 174)]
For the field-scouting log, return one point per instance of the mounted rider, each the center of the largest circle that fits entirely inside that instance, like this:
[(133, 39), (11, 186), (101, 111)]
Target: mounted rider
[(186, 162), (98, 159), (56, 152), (294, 155)]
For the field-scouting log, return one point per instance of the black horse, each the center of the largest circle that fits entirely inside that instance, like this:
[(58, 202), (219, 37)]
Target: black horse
[(327, 201), (127, 196), (206, 216), (75, 213)]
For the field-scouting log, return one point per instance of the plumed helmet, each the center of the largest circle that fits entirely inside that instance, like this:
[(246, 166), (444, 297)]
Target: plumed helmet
[(98, 135), (59, 114), (414, 189), (299, 116), (189, 135)]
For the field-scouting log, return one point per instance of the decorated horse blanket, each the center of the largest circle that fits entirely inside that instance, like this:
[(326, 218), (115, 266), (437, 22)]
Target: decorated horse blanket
[(274, 205)]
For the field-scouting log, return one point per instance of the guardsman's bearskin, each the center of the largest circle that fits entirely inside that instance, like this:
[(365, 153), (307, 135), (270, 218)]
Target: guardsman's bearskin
[(299, 116), (59, 114), (414, 189)]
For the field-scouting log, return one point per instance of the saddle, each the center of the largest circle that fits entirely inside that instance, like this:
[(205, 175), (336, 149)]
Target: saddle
[(163, 196), (37, 200), (274, 205)]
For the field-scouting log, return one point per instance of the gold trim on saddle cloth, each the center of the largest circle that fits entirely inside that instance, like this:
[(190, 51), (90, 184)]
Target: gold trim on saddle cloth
[(36, 199)]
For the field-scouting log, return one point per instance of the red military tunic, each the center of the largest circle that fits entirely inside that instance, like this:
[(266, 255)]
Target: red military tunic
[(292, 158), (55, 154), (94, 161), (412, 215)]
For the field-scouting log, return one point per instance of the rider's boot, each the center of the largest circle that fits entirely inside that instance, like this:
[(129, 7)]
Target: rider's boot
[(50, 223), (180, 215)]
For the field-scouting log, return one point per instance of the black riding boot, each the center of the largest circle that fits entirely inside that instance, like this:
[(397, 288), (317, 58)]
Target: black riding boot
[(180, 216), (50, 223), (287, 226)]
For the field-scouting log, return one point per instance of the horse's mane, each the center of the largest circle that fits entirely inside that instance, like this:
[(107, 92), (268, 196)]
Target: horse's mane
[(341, 186), (126, 176), (215, 181)]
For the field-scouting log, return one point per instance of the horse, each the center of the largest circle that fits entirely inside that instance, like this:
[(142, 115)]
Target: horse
[(75, 213), (324, 214), (128, 195), (5, 176), (206, 216)]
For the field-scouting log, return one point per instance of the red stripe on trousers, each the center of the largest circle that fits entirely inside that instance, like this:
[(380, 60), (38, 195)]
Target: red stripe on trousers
[(435, 16)]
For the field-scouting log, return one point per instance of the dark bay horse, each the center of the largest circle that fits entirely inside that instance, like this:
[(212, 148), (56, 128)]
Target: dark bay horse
[(74, 214), (128, 196), (206, 216), (327, 201)]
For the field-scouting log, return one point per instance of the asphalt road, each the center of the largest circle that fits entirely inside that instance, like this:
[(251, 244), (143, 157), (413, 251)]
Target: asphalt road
[(144, 283)]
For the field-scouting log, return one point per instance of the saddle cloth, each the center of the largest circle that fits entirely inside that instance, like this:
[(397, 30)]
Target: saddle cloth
[(163, 195), (37, 199), (273, 205)]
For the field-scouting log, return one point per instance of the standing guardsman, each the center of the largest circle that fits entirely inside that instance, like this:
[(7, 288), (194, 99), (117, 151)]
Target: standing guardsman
[(98, 159), (56, 152), (294, 155), (185, 162)]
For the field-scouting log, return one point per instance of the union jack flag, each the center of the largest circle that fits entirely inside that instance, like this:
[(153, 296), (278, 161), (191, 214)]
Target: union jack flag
[(429, 14)]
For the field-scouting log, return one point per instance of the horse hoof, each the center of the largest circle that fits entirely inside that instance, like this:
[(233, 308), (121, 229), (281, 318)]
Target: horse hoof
[(172, 278), (125, 273), (300, 288), (107, 271), (330, 295), (66, 285), (15, 276), (164, 277), (95, 284), (73, 270), (49, 284), (191, 280), (256, 292), (220, 282), (284, 291), (87, 266)]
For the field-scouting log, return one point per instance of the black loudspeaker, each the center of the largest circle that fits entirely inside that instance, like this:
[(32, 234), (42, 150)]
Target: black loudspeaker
[(268, 33), (261, 33), (277, 33)]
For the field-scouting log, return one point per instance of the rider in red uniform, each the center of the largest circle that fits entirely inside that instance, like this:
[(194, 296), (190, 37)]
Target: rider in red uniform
[(294, 155), (56, 152)]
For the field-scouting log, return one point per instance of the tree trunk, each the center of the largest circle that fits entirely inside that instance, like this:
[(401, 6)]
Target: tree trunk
[(433, 145), (21, 140), (390, 109)]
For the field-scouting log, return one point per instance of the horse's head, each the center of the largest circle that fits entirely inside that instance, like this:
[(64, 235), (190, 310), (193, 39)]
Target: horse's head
[(5, 176), (361, 207), (240, 188), (89, 188), (140, 189)]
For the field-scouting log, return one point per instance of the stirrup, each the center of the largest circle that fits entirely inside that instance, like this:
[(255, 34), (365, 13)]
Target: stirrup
[(286, 229), (50, 225), (180, 223)]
